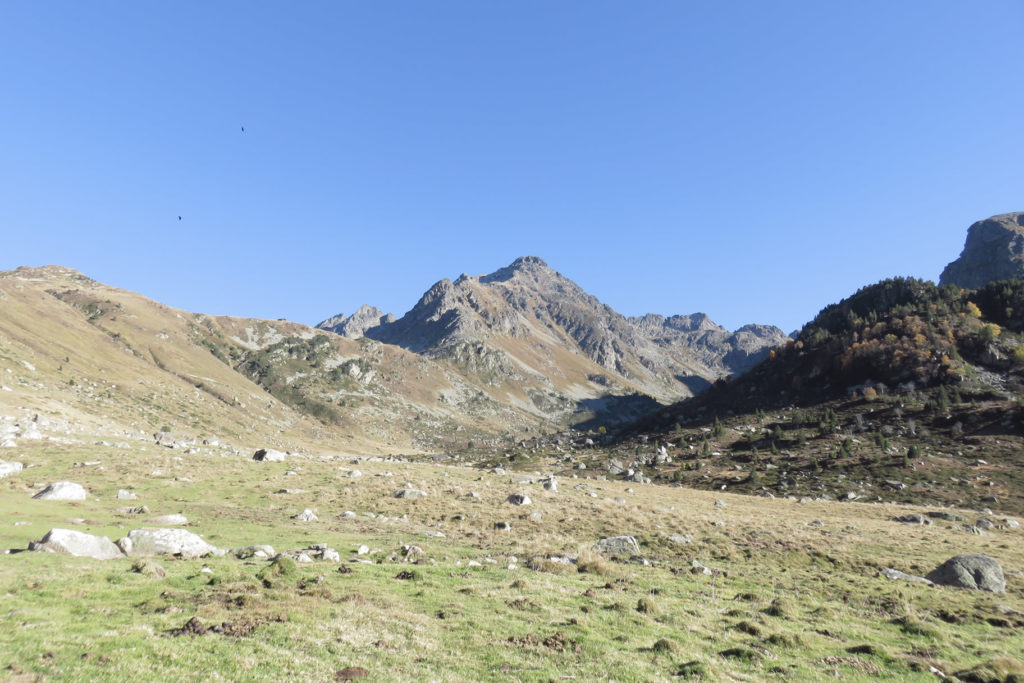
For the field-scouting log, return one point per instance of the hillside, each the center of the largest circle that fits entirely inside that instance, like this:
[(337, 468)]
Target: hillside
[(905, 391), (96, 357)]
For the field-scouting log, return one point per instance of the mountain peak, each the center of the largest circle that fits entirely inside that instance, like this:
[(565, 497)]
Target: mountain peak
[(523, 264)]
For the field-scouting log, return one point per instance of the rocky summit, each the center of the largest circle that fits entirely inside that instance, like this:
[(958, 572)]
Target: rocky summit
[(527, 319), (994, 251)]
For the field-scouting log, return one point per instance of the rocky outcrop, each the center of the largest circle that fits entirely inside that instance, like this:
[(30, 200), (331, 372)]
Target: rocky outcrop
[(994, 251), (354, 326)]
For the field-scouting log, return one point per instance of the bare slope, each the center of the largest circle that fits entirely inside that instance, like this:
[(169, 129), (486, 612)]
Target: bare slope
[(100, 356)]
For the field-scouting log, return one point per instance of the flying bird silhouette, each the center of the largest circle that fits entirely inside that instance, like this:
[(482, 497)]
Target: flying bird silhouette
[(179, 218), (243, 129)]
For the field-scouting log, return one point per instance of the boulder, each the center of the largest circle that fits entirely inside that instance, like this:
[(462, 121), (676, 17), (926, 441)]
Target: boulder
[(410, 494), (618, 545), (681, 539), (149, 542), (976, 572), (78, 544), (306, 515), (9, 468), (260, 552), (62, 490), (268, 455), (519, 499), (125, 494), (897, 575)]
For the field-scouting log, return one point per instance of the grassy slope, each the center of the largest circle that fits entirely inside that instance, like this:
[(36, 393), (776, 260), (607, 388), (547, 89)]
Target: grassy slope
[(788, 599)]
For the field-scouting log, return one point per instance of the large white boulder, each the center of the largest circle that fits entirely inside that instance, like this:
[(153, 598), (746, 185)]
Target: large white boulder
[(9, 468), (62, 490), (78, 544), (268, 455), (149, 542)]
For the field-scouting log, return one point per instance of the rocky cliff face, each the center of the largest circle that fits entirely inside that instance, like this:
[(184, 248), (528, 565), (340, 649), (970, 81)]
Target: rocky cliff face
[(528, 321), (354, 326), (728, 353), (994, 250)]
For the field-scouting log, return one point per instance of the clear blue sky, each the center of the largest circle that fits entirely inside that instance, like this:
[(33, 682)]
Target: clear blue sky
[(752, 160)]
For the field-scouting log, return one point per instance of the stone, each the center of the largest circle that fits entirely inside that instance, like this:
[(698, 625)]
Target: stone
[(9, 468), (410, 494), (913, 519), (519, 499), (947, 516), (176, 519), (78, 544), (681, 539), (268, 455), (897, 575), (994, 250), (125, 494), (434, 533), (618, 545), (354, 474), (62, 490), (150, 542), (306, 515), (551, 484), (502, 526), (261, 552), (976, 572)]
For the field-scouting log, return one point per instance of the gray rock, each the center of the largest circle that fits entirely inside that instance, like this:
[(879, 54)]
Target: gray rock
[(9, 468), (502, 526), (124, 494), (618, 545), (149, 542), (551, 484), (78, 544), (410, 494), (977, 572), (268, 455), (306, 515), (947, 516), (681, 539), (897, 575), (62, 490), (913, 519), (994, 250), (519, 499), (260, 552)]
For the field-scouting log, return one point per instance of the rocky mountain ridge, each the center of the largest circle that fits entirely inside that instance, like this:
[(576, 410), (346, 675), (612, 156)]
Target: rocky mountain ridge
[(527, 304)]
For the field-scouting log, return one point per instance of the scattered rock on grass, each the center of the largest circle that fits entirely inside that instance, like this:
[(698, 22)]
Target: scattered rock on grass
[(9, 468), (78, 544), (976, 572), (268, 455), (912, 519), (410, 494), (62, 490), (519, 499), (176, 519), (618, 545), (897, 575), (149, 542), (306, 515)]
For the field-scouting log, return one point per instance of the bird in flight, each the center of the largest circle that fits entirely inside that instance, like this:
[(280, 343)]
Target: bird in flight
[(179, 218), (243, 129)]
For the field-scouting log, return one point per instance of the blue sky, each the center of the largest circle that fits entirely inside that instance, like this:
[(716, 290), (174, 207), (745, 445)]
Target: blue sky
[(755, 161)]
